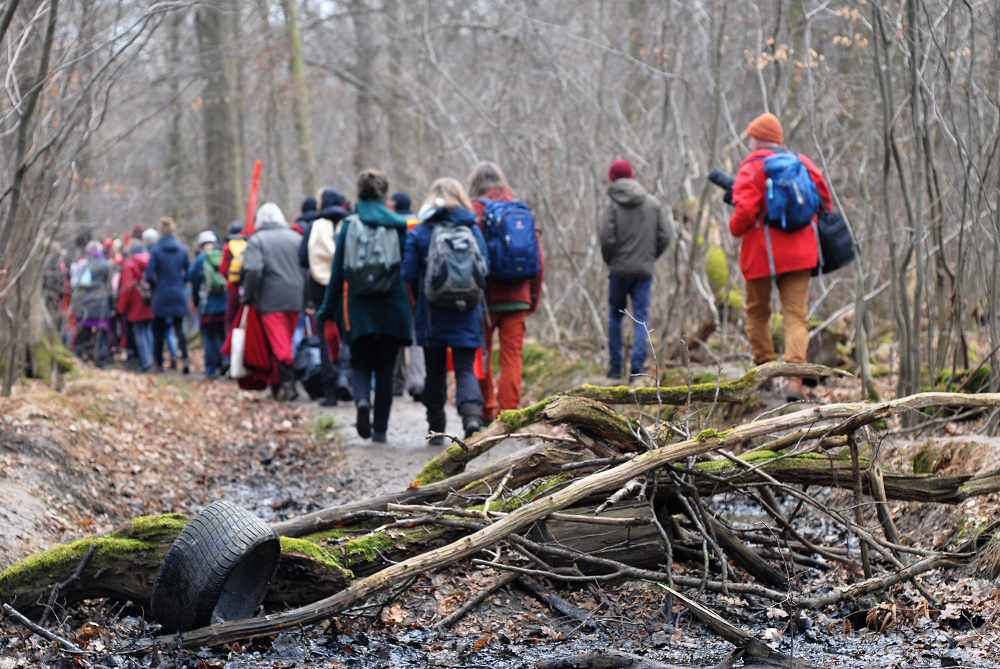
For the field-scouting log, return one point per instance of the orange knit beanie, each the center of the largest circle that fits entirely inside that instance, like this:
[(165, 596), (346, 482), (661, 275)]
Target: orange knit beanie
[(766, 128)]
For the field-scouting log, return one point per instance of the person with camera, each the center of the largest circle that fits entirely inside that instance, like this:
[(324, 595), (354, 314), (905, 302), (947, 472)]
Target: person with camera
[(777, 195)]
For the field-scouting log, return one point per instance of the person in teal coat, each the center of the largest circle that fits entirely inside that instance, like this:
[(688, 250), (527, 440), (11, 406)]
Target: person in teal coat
[(374, 326)]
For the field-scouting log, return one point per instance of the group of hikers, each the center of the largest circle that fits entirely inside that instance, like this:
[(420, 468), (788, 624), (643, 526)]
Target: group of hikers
[(385, 300)]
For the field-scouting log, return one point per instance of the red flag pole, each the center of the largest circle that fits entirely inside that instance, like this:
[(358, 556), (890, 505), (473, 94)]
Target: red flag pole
[(252, 200)]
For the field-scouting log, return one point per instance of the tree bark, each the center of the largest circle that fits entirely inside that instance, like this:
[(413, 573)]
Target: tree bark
[(300, 101)]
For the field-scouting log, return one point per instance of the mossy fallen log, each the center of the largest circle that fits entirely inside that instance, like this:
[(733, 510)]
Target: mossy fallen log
[(735, 391)]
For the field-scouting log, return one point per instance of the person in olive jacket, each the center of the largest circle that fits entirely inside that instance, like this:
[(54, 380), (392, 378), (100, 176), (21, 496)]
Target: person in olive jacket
[(634, 233), (374, 326)]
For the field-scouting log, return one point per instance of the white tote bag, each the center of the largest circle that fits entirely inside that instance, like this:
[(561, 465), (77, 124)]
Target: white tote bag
[(237, 345)]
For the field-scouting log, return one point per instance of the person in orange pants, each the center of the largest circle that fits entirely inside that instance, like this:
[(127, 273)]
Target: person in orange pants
[(509, 302)]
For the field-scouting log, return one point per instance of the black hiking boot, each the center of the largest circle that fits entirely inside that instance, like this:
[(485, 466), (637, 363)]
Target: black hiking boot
[(287, 391), (380, 437), (472, 417), (364, 423)]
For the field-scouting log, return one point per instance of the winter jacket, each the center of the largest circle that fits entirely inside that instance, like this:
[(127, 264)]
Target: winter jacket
[(316, 250), (634, 232), (92, 302), (367, 315), (792, 250), (166, 273), (130, 304), (212, 304), (511, 295), (436, 326), (272, 277)]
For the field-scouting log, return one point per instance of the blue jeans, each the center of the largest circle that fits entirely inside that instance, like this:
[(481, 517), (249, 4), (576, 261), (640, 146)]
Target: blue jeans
[(620, 290), (142, 332), (213, 336)]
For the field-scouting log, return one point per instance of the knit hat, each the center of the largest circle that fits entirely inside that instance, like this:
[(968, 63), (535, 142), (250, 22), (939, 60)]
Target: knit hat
[(308, 204), (401, 202), (236, 227), (766, 128), (137, 231), (207, 237), (620, 169), (150, 237)]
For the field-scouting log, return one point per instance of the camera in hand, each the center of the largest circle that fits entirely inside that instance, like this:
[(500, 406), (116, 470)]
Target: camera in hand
[(723, 181)]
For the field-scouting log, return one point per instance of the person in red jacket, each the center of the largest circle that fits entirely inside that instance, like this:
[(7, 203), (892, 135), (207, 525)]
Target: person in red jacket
[(794, 254), (131, 306), (509, 303)]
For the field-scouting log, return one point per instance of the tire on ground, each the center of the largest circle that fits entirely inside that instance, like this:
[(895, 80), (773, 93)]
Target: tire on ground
[(218, 568)]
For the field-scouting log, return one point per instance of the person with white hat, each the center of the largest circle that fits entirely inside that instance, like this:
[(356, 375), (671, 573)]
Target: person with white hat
[(208, 291)]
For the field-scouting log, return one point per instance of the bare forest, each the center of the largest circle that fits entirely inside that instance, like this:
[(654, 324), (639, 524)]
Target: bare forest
[(118, 113), (115, 113)]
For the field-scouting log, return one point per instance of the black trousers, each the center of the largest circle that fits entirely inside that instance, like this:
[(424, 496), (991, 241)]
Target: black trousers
[(374, 354), (160, 326)]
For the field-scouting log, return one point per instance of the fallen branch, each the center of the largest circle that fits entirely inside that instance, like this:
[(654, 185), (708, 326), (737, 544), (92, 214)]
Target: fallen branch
[(736, 391), (858, 413), (473, 602), (41, 631)]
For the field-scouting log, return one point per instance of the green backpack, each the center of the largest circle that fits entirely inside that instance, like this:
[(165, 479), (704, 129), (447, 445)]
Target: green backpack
[(215, 283)]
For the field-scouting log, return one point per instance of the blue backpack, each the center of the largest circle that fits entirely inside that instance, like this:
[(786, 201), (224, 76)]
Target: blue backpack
[(791, 199), (511, 241)]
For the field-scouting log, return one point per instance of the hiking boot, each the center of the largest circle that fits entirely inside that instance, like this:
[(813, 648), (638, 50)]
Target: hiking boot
[(472, 425), (472, 417), (615, 372), (328, 401), (173, 363), (437, 440), (287, 392), (794, 392), (344, 389), (364, 422), (417, 393), (380, 437), (185, 369)]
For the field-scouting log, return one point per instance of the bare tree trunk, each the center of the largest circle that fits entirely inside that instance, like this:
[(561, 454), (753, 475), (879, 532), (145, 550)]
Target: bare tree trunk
[(300, 102), (365, 105), (214, 27)]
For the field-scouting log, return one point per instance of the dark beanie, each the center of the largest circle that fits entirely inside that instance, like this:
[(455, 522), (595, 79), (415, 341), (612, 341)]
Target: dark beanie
[(236, 227), (308, 204), (401, 202), (620, 169), (331, 197)]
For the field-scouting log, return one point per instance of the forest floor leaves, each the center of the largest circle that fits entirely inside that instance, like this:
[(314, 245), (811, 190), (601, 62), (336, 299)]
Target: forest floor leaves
[(114, 445)]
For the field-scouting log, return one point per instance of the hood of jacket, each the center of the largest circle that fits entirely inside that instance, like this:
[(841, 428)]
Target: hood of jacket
[(170, 244), (627, 192), (456, 216), (376, 213), (269, 217)]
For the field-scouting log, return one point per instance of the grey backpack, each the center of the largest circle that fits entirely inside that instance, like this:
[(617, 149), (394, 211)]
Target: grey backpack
[(371, 258), (456, 268)]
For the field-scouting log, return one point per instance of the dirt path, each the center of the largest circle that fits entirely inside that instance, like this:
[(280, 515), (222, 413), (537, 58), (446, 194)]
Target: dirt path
[(367, 468)]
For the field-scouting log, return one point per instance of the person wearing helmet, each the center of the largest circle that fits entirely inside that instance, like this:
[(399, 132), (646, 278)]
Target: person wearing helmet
[(208, 291)]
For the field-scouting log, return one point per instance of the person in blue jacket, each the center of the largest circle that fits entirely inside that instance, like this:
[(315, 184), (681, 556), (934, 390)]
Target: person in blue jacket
[(166, 274), (440, 328), (208, 291)]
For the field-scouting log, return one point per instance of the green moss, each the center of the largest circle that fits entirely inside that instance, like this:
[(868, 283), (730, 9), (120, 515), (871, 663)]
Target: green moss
[(290, 546), (49, 355), (818, 460), (514, 419), (706, 435), (146, 528), (363, 549), (433, 471), (323, 426), (63, 559), (717, 270), (927, 459), (327, 536)]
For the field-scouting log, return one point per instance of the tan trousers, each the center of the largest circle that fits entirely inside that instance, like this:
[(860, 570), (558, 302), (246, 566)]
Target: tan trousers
[(793, 288)]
